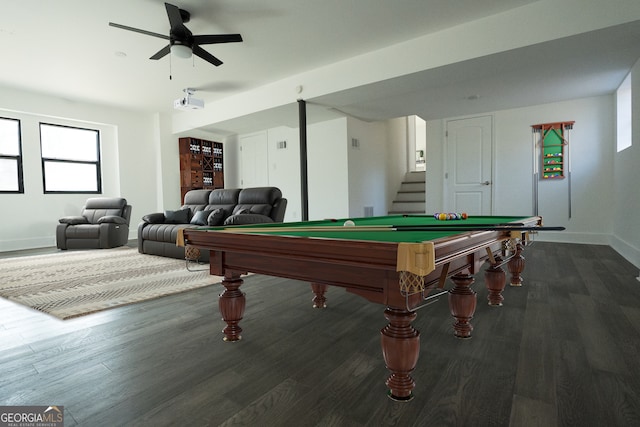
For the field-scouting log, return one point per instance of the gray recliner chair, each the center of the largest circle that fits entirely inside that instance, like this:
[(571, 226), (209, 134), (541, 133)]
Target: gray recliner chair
[(104, 223)]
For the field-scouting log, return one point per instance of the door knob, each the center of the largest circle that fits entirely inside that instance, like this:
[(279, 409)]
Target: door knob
[(486, 183)]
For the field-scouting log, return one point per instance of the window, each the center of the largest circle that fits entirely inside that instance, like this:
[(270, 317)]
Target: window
[(70, 159), (623, 114), (10, 157)]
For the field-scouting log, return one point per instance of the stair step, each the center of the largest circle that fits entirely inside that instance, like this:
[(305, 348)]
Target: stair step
[(410, 199), (407, 206), (415, 176), (412, 186)]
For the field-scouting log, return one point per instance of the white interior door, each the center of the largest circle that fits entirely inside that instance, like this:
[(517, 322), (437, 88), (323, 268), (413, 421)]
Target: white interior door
[(469, 165)]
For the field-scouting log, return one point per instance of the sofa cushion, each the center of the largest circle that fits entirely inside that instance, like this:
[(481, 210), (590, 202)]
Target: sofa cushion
[(201, 218), (224, 196), (258, 200), (83, 231), (253, 209), (216, 217), (181, 216), (197, 197), (195, 201), (259, 196), (247, 218), (167, 233)]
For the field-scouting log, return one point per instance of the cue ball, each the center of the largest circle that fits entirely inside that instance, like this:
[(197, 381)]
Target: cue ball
[(349, 223)]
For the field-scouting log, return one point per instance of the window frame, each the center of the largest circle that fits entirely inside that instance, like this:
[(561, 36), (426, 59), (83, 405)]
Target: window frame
[(624, 114), (97, 162), (17, 158)]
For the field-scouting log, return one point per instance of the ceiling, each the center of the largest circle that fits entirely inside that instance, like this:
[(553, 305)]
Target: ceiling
[(67, 49)]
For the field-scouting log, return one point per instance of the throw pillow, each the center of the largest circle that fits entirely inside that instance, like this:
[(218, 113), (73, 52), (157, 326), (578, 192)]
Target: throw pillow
[(154, 218), (200, 218), (180, 216), (216, 217)]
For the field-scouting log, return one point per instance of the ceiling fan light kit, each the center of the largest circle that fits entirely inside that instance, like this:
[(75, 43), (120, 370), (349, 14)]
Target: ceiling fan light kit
[(182, 42), (181, 51)]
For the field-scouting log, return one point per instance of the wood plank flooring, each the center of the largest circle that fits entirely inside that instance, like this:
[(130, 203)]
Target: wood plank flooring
[(564, 350)]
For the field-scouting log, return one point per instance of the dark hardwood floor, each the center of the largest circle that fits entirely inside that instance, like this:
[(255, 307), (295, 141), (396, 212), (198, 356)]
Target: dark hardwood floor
[(564, 350)]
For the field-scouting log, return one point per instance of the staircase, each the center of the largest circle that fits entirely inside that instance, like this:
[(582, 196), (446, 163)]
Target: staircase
[(411, 196)]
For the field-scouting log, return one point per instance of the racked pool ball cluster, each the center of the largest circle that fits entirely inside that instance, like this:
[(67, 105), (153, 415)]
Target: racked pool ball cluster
[(441, 216)]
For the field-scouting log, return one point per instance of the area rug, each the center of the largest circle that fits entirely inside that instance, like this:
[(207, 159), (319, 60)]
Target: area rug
[(75, 283)]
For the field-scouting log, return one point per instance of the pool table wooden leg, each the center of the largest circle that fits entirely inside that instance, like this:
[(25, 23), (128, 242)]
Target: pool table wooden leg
[(495, 279), (462, 304), (400, 349), (319, 300), (232, 302), (516, 266)]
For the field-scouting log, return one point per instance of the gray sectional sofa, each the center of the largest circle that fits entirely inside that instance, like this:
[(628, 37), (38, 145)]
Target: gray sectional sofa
[(157, 232)]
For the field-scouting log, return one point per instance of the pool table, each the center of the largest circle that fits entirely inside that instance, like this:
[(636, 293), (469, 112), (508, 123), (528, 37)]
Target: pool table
[(400, 261)]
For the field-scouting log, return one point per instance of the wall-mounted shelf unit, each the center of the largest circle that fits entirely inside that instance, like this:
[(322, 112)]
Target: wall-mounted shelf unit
[(201, 165), (553, 142), (551, 146)]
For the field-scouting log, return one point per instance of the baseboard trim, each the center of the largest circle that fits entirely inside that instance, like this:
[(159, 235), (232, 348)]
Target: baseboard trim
[(627, 250), (570, 237), (31, 243)]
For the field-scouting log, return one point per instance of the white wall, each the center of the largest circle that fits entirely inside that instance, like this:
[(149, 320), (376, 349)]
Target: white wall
[(626, 167), (254, 160), (434, 164), (284, 168), (367, 167), (130, 150), (396, 153), (231, 147), (591, 149), (328, 176), (263, 163), (327, 167), (592, 143), (342, 180)]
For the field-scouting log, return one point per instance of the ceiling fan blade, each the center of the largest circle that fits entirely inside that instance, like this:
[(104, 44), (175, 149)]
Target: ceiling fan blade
[(175, 19), (198, 51), (162, 52), (217, 38), (137, 30)]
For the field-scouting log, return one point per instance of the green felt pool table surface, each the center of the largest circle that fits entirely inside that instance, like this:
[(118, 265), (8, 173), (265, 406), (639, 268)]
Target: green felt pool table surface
[(337, 230)]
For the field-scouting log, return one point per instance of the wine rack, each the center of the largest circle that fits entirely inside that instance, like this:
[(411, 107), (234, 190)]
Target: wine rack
[(201, 165)]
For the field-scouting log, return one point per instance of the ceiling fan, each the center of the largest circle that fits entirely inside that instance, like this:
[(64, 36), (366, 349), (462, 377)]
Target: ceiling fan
[(182, 42)]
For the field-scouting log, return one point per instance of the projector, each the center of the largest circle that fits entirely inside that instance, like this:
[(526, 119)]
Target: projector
[(188, 103)]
